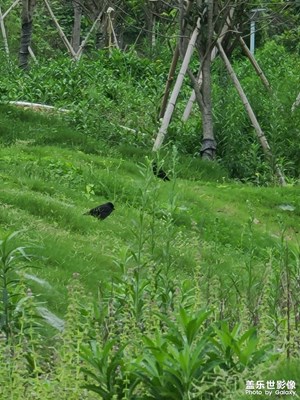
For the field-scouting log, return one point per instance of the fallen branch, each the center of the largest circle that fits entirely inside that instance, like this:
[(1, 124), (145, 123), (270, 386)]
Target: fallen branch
[(37, 106)]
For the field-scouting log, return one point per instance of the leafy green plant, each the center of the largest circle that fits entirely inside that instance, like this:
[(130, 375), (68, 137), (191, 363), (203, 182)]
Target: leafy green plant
[(237, 351), (108, 370), (174, 361), (12, 258)]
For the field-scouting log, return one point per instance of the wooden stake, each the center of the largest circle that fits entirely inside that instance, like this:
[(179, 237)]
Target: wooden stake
[(296, 103), (214, 53), (80, 50), (170, 108), (32, 55), (169, 82), (60, 31), (10, 8), (260, 134), (173, 67), (4, 33), (255, 64)]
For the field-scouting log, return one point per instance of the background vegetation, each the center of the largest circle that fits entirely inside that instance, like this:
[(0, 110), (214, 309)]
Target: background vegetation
[(191, 287)]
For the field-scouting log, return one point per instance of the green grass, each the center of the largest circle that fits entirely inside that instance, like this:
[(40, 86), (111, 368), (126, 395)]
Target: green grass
[(51, 175), (44, 192)]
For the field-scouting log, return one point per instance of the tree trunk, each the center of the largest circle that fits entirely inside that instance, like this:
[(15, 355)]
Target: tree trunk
[(204, 95), (150, 22), (26, 32), (76, 25), (208, 149), (214, 53)]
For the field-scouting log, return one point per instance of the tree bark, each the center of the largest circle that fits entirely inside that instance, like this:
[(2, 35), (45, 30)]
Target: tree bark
[(204, 93), (214, 53), (26, 32), (76, 25), (208, 149)]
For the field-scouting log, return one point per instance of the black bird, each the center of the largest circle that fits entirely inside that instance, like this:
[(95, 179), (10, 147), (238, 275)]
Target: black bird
[(102, 211), (159, 172)]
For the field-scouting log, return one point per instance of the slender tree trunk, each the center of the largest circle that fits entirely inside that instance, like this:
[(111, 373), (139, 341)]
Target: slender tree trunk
[(214, 53), (26, 32), (204, 94), (150, 22), (76, 25), (208, 149)]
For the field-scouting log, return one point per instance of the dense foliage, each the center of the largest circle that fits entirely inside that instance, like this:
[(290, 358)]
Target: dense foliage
[(190, 288), (116, 99)]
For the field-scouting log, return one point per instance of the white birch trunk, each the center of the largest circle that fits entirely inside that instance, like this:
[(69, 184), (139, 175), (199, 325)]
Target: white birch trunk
[(170, 108)]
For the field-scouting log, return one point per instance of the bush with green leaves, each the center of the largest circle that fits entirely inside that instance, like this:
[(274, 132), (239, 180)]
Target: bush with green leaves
[(115, 99), (13, 260), (106, 96), (238, 146), (150, 334)]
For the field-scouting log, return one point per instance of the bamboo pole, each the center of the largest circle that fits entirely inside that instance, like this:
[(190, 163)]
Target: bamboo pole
[(37, 106), (112, 31), (172, 68), (260, 134), (81, 47), (115, 37), (296, 103), (10, 8), (32, 55), (109, 38), (255, 64), (191, 101), (6, 48), (170, 108), (60, 31), (169, 82)]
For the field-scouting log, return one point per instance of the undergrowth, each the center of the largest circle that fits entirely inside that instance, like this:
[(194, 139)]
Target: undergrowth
[(150, 334)]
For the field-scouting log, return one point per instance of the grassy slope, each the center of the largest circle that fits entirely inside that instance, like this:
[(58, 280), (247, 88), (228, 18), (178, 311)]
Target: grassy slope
[(45, 168)]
